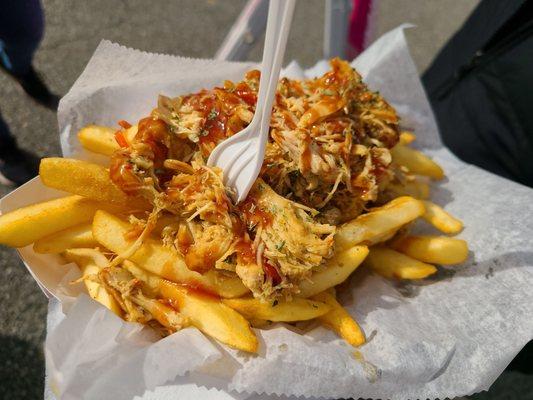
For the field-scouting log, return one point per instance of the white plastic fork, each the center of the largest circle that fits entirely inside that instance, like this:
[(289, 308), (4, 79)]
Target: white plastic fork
[(241, 156)]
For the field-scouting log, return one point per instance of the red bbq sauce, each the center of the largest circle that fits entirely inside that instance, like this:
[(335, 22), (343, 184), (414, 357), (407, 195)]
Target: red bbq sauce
[(271, 272), (253, 214)]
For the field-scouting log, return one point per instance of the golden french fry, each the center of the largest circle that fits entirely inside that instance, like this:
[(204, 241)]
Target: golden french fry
[(417, 162), (101, 139), (378, 221), (90, 262), (338, 319), (416, 189), (440, 219), (392, 264), (85, 179), (336, 271), (79, 236), (297, 309), (24, 226), (152, 285), (98, 139), (433, 249), (407, 137), (211, 316), (109, 231), (382, 238)]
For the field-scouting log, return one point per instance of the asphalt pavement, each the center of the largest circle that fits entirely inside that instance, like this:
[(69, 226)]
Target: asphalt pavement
[(193, 28)]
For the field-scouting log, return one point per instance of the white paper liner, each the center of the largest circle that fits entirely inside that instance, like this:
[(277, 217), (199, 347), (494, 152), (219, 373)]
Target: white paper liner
[(448, 336)]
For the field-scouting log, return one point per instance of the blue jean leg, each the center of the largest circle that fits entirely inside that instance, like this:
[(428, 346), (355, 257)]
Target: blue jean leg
[(21, 30)]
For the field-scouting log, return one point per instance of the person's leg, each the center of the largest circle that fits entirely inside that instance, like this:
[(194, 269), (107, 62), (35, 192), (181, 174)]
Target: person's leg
[(21, 30), (16, 166)]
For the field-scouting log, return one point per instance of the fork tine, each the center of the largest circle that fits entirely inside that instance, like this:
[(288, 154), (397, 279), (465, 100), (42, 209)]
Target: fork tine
[(221, 148), (237, 167), (243, 183), (231, 153)]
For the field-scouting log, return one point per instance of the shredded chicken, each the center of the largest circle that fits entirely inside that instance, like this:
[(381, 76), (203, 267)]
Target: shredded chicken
[(327, 157)]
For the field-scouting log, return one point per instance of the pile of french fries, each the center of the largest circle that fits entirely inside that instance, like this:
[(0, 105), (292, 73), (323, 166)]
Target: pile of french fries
[(91, 228)]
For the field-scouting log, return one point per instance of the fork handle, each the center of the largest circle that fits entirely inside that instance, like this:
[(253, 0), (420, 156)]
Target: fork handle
[(269, 47), (284, 26)]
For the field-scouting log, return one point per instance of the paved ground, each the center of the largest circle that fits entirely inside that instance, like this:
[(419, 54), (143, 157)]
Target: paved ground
[(190, 28)]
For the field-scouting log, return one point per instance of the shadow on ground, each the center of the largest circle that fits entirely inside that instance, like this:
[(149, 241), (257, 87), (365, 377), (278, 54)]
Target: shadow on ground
[(21, 369)]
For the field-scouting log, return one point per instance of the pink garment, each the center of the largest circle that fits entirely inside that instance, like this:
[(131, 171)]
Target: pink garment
[(358, 28)]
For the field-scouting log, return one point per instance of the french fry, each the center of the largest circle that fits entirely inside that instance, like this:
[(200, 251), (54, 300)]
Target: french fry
[(297, 309), (90, 262), (205, 312), (433, 249), (338, 319), (416, 189), (26, 225), (165, 262), (382, 238), (336, 271), (440, 219), (85, 179), (98, 139), (101, 139), (211, 316), (79, 236), (392, 264), (407, 137), (378, 221), (126, 291), (417, 162)]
